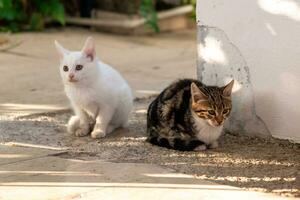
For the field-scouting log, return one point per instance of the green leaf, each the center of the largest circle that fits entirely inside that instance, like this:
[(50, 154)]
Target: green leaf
[(36, 22), (53, 9), (148, 11), (16, 15), (58, 13), (5, 3)]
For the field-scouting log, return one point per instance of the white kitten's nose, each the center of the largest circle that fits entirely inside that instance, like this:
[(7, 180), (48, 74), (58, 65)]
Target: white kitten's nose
[(71, 76)]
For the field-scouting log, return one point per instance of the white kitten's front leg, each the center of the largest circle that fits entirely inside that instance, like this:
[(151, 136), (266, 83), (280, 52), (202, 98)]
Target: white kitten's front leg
[(73, 124), (102, 120), (79, 124)]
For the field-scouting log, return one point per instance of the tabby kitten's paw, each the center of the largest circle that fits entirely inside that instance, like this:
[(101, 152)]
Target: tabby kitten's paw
[(200, 148), (98, 134), (110, 128), (214, 145)]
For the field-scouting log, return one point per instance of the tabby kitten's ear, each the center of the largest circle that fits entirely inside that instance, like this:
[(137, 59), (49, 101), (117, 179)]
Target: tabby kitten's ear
[(61, 51), (89, 48), (197, 94), (227, 89)]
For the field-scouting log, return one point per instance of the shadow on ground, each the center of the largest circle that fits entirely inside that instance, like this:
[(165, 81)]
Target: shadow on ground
[(268, 165)]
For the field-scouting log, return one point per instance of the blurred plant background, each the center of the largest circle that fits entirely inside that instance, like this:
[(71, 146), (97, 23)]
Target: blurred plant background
[(32, 15), (193, 3), (19, 15), (149, 8), (148, 11)]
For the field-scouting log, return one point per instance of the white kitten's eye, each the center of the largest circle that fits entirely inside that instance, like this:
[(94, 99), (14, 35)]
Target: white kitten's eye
[(79, 67), (65, 68)]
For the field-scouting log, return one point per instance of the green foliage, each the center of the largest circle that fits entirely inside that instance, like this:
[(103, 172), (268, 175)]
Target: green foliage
[(147, 10), (193, 3), (17, 15)]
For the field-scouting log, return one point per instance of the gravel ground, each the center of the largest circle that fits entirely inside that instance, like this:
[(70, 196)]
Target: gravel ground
[(268, 165)]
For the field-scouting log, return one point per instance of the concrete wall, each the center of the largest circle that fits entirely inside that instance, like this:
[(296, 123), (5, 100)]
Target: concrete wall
[(256, 42)]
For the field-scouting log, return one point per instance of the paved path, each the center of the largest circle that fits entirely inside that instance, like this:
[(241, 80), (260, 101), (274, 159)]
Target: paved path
[(29, 75), (35, 173)]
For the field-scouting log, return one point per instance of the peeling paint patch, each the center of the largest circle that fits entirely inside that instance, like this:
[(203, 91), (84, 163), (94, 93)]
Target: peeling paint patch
[(243, 118)]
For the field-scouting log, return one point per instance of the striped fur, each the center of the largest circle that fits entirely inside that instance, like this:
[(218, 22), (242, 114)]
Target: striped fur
[(188, 114)]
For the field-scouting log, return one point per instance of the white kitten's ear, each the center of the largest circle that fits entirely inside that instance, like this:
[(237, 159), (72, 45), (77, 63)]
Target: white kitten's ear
[(89, 48), (197, 94), (228, 88), (61, 51)]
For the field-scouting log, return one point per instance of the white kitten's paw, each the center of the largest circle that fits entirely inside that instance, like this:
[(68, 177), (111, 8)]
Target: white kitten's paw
[(73, 124), (80, 132), (214, 145), (200, 148), (98, 134), (75, 128)]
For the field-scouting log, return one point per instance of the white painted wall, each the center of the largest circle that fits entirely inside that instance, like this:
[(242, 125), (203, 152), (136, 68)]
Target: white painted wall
[(257, 42)]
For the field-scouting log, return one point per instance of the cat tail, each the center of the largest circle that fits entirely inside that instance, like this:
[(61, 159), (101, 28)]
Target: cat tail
[(176, 142)]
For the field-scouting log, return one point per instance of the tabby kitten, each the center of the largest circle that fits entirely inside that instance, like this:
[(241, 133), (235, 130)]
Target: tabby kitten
[(189, 115)]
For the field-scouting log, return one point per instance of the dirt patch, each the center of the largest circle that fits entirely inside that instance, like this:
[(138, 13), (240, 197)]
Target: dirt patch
[(268, 165)]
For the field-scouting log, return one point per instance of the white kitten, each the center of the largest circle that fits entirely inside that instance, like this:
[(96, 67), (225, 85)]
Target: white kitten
[(96, 92)]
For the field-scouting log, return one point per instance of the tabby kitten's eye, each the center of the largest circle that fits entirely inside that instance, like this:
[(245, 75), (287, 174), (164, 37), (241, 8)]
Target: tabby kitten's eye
[(199, 111), (79, 67), (212, 112), (225, 111), (65, 68)]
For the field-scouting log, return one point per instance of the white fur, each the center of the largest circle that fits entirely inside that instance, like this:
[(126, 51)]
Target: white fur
[(100, 93), (200, 148), (206, 132)]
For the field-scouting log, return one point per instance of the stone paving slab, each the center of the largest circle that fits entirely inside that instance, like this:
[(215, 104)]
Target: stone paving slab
[(12, 154), (53, 177)]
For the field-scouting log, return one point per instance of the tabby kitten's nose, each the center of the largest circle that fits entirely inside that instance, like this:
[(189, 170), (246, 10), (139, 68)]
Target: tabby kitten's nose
[(219, 121)]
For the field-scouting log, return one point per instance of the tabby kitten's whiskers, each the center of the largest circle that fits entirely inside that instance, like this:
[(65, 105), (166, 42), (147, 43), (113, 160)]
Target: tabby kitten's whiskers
[(189, 115)]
